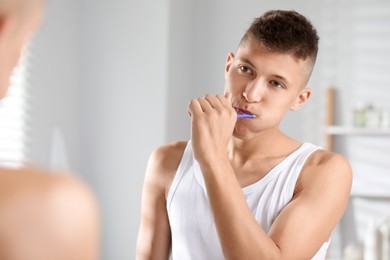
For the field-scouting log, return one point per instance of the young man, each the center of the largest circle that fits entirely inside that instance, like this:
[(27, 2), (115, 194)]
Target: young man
[(241, 189), (43, 215)]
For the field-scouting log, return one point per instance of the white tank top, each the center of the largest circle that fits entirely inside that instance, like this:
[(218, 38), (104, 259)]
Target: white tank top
[(194, 235)]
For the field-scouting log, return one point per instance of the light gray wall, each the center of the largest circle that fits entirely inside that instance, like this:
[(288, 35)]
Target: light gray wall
[(123, 109), (54, 83), (99, 77)]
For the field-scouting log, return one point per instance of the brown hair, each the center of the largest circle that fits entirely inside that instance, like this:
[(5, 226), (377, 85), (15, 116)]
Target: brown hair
[(285, 32)]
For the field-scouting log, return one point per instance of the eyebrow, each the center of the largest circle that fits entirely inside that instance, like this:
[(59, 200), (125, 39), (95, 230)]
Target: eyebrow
[(273, 75), (281, 78), (247, 61)]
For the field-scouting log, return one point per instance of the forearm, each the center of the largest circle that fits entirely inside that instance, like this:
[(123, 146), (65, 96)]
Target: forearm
[(153, 242), (239, 233)]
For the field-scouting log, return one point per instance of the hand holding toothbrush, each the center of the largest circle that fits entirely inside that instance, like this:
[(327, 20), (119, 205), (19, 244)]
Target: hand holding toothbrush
[(212, 123)]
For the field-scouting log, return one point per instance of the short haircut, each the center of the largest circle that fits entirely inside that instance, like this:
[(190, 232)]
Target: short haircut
[(285, 32)]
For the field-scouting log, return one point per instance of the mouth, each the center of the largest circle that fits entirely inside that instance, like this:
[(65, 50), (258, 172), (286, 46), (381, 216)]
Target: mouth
[(241, 111)]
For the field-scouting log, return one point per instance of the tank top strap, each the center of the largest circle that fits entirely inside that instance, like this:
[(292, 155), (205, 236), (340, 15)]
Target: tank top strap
[(296, 166), (185, 163)]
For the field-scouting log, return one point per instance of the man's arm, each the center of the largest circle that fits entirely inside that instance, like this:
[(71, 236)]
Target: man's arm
[(301, 227), (154, 238), (47, 216), (305, 223), (319, 201)]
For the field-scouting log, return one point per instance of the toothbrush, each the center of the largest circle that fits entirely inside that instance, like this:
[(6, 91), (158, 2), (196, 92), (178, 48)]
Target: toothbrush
[(245, 116)]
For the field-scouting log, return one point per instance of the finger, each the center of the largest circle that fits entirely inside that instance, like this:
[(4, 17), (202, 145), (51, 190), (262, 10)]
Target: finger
[(194, 107), (205, 104), (213, 100), (227, 95), (226, 100)]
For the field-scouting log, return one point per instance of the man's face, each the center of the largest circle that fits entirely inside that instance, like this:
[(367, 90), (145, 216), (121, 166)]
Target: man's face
[(18, 19), (265, 84)]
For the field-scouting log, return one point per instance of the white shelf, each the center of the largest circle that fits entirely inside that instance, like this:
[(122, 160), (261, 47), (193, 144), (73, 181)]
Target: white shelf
[(349, 130), (365, 131), (370, 194)]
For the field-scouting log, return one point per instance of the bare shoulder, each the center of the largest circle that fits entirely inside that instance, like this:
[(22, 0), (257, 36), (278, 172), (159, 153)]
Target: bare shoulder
[(163, 163), (167, 157), (329, 162), (47, 213), (40, 190), (326, 169), (43, 184)]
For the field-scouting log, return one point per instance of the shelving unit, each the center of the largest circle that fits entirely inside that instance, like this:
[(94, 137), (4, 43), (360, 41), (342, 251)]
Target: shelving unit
[(362, 196), (332, 130), (370, 194), (349, 130)]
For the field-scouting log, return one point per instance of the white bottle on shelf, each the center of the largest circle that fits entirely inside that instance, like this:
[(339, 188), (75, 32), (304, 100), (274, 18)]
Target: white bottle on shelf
[(384, 230), (385, 118), (371, 241), (353, 251), (359, 116), (373, 117)]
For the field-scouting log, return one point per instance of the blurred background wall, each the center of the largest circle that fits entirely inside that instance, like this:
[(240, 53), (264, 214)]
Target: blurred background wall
[(110, 81)]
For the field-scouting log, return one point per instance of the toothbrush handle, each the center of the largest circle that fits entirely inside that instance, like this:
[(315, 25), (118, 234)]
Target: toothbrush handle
[(245, 116)]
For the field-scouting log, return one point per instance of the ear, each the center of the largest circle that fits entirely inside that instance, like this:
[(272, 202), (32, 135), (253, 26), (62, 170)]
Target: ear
[(229, 61), (303, 96)]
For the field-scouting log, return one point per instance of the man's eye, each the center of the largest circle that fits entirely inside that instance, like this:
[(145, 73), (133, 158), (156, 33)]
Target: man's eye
[(276, 84), (245, 69)]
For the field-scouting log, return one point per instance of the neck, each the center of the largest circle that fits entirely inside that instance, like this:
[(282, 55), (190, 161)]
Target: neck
[(272, 143)]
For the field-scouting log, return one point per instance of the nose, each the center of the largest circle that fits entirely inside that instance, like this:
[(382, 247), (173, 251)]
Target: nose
[(254, 91)]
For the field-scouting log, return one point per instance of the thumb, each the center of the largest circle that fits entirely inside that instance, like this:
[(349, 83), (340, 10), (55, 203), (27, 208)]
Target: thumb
[(228, 95)]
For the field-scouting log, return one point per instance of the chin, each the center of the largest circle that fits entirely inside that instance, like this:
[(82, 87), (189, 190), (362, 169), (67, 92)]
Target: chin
[(242, 132)]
